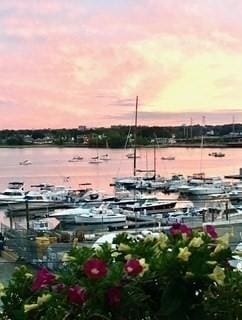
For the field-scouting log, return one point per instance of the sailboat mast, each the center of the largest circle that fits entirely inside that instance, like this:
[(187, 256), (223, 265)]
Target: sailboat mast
[(135, 134), (154, 160)]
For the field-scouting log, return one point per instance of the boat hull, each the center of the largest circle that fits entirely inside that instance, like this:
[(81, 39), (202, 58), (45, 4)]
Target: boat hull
[(100, 219)]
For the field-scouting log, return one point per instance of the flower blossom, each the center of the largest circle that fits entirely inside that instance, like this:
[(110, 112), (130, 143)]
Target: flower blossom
[(162, 240), (124, 247), (184, 254), (95, 269), (136, 267), (67, 258), (29, 307), (217, 275), (2, 290), (196, 242), (40, 301), (211, 231), (77, 295), (43, 279), (114, 296), (43, 299), (180, 229), (223, 243)]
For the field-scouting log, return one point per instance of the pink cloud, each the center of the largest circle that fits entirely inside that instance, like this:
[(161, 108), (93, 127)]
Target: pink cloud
[(59, 57)]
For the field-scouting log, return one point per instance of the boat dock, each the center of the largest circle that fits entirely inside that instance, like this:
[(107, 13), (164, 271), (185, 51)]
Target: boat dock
[(235, 176)]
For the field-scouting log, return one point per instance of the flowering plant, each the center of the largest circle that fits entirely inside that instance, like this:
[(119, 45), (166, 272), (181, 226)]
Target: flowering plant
[(180, 275)]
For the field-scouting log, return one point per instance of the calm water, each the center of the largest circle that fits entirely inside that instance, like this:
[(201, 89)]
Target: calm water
[(51, 164)]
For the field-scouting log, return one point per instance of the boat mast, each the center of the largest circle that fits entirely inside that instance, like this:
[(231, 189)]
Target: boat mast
[(155, 160), (135, 134)]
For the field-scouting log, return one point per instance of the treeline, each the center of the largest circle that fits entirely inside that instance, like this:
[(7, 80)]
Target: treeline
[(117, 136)]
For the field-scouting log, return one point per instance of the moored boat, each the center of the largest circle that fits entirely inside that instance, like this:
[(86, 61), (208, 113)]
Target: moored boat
[(168, 158), (25, 162)]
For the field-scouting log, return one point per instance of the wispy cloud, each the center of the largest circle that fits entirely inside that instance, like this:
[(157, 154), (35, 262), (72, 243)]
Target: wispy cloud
[(65, 63)]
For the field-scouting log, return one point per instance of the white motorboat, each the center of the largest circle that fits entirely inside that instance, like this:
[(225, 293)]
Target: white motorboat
[(168, 158), (95, 160), (200, 188), (105, 157), (68, 215), (25, 162), (98, 216), (12, 194), (132, 156), (76, 159), (34, 200), (151, 206)]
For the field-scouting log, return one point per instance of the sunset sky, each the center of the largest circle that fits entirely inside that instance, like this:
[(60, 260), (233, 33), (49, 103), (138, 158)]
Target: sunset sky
[(65, 63)]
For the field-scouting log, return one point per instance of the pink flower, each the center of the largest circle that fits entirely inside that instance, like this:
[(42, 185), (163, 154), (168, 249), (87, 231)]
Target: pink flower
[(43, 279), (95, 269), (133, 267), (178, 229), (77, 295), (114, 296), (211, 231)]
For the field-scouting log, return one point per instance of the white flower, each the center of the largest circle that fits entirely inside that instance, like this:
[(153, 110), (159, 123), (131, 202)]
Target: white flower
[(2, 290), (217, 275), (43, 299), (184, 254), (67, 258), (162, 241), (115, 254), (211, 262), (196, 242), (144, 265), (29, 307), (124, 247), (151, 238)]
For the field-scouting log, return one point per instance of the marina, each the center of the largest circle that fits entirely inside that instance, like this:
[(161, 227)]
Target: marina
[(63, 201)]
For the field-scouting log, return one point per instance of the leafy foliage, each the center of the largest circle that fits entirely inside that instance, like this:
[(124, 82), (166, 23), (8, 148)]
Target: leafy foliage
[(183, 275)]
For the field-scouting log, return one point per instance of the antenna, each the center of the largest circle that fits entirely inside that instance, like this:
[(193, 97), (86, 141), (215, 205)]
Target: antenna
[(135, 134), (191, 126)]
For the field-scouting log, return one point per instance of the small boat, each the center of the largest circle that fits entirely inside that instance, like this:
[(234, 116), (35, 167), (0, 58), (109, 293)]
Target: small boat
[(168, 158), (25, 163), (76, 159), (131, 156), (105, 157), (217, 154), (95, 160)]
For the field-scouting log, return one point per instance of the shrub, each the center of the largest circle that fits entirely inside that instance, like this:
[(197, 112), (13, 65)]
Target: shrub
[(181, 275)]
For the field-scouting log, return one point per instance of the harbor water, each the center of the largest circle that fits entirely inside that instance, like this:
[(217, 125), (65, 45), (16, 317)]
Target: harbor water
[(52, 165)]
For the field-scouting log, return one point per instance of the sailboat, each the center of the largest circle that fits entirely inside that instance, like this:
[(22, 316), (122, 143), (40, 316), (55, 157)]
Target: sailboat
[(105, 156), (96, 159), (130, 182), (131, 155)]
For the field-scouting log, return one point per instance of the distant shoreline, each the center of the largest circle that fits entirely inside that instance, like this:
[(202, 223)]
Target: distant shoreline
[(180, 145)]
